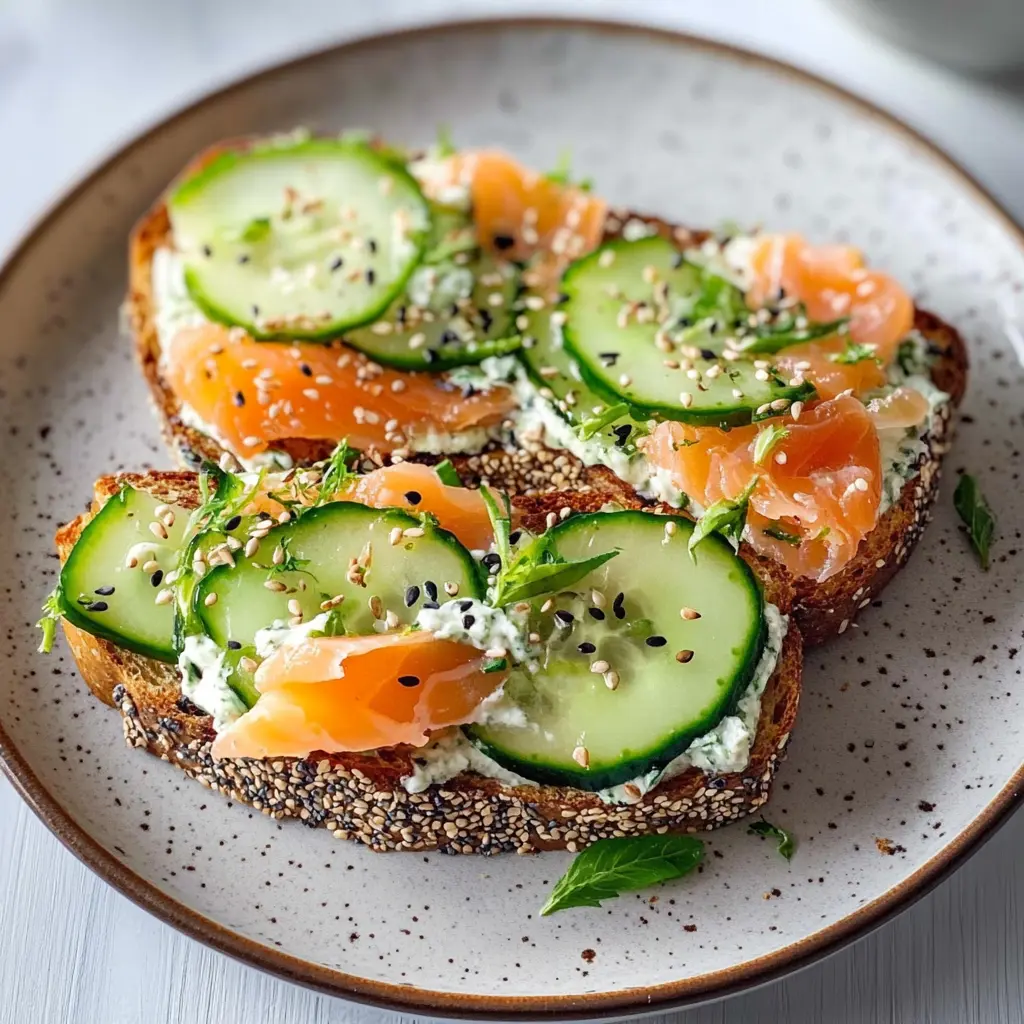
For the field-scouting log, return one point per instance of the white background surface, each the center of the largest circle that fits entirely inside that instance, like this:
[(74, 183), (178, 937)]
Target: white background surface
[(77, 78)]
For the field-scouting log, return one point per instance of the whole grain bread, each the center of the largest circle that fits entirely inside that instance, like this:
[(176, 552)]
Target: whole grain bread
[(822, 610), (361, 796)]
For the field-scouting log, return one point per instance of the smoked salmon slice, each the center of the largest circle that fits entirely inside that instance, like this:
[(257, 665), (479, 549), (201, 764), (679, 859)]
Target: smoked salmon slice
[(832, 281), (357, 693), (818, 490), (418, 488), (254, 393)]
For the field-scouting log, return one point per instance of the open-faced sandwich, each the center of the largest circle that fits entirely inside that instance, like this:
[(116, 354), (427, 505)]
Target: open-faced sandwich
[(290, 292), (416, 664)]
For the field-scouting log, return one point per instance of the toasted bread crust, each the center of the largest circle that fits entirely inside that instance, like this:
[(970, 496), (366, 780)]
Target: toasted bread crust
[(823, 610), (361, 796)]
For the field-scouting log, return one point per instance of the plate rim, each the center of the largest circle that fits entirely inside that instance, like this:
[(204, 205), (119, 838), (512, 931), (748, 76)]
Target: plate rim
[(412, 999)]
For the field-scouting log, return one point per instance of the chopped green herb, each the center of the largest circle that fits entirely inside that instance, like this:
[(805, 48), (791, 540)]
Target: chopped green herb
[(52, 614), (256, 230), (787, 844), (290, 563), (448, 474), (337, 473), (495, 665), (590, 426), (334, 624), (975, 512), (780, 534), (562, 173), (767, 440), (613, 866), (725, 517), (854, 352)]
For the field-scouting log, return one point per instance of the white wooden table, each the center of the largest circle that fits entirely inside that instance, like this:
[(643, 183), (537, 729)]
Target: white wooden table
[(77, 77)]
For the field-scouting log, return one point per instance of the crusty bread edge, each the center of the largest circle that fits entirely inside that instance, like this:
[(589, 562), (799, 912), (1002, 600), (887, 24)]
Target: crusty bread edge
[(361, 797)]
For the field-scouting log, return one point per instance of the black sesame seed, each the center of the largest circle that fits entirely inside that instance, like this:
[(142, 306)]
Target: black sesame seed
[(491, 561), (234, 645), (429, 356), (97, 606), (336, 264), (467, 621), (513, 537), (655, 641), (371, 244), (596, 613), (608, 358), (413, 497), (706, 353), (683, 322), (305, 369), (239, 399), (464, 606), (677, 260), (431, 588), (449, 337), (400, 315), (412, 595), (562, 297), (622, 433), (243, 258), (503, 242), (713, 328), (104, 591), (564, 618), (430, 604), (255, 310), (409, 680), (485, 319), (157, 578), (207, 251), (586, 647), (370, 275)]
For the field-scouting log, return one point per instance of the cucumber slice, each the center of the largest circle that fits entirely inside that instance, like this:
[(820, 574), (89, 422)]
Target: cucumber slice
[(317, 551), (624, 356), (102, 594), (470, 310), (557, 376), (665, 697), (303, 239)]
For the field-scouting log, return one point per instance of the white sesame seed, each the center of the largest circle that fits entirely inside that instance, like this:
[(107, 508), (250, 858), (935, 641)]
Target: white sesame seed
[(413, 531), (689, 614), (860, 483), (276, 585), (417, 340), (248, 664), (880, 563), (685, 399), (611, 679), (599, 667), (158, 530), (559, 318), (780, 458), (495, 652), (606, 259), (210, 600), (581, 756), (547, 606), (398, 386), (150, 566), (251, 441), (376, 607), (671, 528), (795, 409), (166, 596), (625, 380), (597, 599), (284, 517), (761, 375), (294, 607), (564, 512), (451, 589)]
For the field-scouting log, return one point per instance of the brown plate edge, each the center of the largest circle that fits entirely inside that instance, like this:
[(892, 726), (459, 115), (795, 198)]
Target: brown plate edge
[(409, 999)]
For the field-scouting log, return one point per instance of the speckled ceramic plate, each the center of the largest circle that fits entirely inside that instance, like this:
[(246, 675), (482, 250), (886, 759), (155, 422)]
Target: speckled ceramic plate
[(910, 732)]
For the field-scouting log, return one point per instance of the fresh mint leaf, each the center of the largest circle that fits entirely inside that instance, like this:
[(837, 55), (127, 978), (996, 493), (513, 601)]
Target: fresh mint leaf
[(52, 614), (854, 352), (975, 512), (523, 583), (725, 517), (590, 426), (613, 866), (787, 844), (780, 534), (448, 474), (767, 440)]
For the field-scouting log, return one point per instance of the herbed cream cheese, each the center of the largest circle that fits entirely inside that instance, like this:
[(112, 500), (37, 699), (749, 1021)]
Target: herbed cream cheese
[(204, 680)]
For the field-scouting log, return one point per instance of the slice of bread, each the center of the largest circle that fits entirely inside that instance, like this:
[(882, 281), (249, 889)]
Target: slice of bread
[(823, 610), (361, 796)]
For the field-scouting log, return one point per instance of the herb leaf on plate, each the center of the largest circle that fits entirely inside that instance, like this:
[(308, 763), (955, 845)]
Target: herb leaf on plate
[(970, 503), (787, 844), (613, 866)]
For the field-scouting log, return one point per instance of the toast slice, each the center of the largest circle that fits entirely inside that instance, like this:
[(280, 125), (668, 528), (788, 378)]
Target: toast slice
[(822, 610), (361, 796)]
